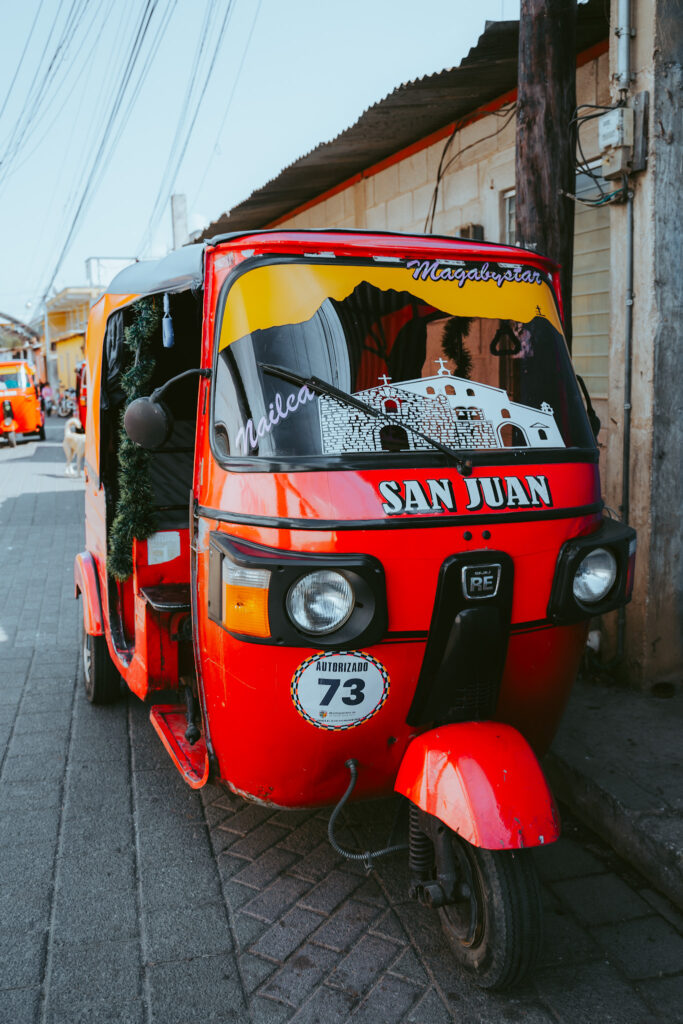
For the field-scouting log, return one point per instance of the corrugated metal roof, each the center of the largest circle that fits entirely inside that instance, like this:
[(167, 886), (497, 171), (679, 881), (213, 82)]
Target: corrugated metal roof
[(411, 112)]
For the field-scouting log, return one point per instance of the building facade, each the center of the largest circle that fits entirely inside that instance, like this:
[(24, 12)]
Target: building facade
[(65, 322)]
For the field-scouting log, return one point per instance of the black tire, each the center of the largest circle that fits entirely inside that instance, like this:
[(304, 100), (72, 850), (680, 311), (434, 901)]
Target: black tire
[(496, 933), (41, 432), (101, 681), (12, 439)]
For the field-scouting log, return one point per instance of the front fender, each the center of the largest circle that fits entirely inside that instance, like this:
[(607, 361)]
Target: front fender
[(483, 780), (86, 583)]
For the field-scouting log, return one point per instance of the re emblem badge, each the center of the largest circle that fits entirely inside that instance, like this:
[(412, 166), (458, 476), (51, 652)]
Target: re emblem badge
[(480, 581)]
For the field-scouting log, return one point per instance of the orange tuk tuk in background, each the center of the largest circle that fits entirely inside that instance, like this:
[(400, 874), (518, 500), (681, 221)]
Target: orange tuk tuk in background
[(344, 535), (20, 407)]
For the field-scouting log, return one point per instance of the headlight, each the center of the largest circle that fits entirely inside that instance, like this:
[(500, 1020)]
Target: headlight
[(595, 576), (320, 602)]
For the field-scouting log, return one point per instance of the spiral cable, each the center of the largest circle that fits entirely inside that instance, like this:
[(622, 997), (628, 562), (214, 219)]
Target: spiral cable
[(369, 855)]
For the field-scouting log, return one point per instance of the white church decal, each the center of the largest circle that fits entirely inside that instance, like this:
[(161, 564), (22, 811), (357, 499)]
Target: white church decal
[(459, 413)]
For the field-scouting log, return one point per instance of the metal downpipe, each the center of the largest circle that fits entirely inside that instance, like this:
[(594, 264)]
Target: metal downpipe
[(628, 377)]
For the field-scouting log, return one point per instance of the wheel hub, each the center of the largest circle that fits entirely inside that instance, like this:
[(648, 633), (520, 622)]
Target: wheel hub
[(466, 912)]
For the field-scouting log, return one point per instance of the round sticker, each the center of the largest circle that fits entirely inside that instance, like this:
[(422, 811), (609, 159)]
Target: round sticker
[(339, 691)]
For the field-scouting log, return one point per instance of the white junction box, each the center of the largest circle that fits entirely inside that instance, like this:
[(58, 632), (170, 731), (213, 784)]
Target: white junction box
[(615, 134), (615, 128)]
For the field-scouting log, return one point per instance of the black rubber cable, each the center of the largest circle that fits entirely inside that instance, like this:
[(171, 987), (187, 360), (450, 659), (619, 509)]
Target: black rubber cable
[(369, 855)]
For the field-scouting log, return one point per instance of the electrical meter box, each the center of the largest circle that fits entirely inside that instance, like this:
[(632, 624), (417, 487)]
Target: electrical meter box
[(615, 134)]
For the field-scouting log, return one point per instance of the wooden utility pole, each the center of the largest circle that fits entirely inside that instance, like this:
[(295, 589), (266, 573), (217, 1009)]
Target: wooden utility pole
[(545, 157)]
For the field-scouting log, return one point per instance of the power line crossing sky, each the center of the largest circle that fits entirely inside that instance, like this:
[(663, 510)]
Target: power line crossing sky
[(109, 106)]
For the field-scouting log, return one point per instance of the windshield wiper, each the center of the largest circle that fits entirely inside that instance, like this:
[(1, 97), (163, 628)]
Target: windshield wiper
[(462, 464)]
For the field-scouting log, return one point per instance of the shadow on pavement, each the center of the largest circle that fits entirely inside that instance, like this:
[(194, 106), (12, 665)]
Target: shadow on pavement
[(40, 508)]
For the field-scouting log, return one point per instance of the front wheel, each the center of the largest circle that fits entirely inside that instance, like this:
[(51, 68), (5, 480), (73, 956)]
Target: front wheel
[(12, 438), (495, 928), (101, 681), (41, 432)]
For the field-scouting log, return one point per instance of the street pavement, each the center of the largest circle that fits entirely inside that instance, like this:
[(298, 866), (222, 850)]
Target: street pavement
[(127, 897)]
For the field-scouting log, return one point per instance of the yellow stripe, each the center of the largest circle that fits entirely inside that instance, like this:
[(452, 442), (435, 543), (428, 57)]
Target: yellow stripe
[(275, 295)]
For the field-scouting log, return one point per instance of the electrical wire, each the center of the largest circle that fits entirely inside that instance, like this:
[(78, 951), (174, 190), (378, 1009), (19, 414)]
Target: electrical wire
[(84, 71), (228, 105), (56, 90), (159, 201), (112, 63), (30, 95), (505, 112), (20, 62), (186, 123), (121, 92), (583, 166), (44, 85)]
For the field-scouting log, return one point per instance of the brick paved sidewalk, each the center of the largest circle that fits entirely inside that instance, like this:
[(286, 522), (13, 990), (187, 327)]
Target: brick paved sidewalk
[(127, 897)]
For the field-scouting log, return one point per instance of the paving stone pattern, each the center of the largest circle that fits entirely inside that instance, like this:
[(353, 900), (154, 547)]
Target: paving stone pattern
[(127, 897)]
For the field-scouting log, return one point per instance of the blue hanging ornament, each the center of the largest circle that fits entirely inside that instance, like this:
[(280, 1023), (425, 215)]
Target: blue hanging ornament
[(167, 334)]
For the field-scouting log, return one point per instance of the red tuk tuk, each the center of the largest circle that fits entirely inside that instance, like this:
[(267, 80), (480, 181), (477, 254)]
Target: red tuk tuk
[(20, 402), (354, 524)]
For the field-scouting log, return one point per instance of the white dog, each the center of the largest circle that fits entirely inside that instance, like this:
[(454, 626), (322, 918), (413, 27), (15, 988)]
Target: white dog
[(74, 447)]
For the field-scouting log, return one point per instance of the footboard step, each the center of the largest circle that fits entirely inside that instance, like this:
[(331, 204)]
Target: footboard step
[(167, 597), (192, 762)]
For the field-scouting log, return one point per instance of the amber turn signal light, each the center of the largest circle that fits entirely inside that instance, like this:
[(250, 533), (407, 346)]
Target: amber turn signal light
[(245, 599)]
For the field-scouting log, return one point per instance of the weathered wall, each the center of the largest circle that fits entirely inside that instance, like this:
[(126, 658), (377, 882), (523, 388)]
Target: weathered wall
[(654, 620), (664, 623)]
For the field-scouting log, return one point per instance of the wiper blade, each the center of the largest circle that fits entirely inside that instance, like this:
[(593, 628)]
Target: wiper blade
[(321, 387)]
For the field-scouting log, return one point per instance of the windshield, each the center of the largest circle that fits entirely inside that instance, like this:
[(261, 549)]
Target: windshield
[(471, 356), (12, 377)]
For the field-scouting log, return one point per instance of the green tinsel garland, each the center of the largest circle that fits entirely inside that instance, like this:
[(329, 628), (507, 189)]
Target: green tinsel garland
[(135, 516)]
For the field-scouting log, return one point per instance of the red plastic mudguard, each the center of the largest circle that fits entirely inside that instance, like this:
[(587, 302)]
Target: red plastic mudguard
[(85, 583), (483, 780)]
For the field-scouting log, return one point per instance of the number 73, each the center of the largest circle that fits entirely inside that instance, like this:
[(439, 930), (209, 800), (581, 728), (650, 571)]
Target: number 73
[(355, 686)]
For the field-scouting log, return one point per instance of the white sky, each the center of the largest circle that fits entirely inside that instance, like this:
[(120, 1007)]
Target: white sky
[(310, 69)]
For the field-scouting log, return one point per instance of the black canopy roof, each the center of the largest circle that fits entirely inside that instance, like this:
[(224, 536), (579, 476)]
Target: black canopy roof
[(180, 270)]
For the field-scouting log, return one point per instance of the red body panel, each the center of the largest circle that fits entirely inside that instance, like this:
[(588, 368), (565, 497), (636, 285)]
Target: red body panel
[(482, 780), (149, 661), (82, 393), (85, 580), (191, 761)]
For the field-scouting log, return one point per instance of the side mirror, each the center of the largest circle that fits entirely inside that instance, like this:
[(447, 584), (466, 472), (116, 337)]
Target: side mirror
[(148, 423)]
